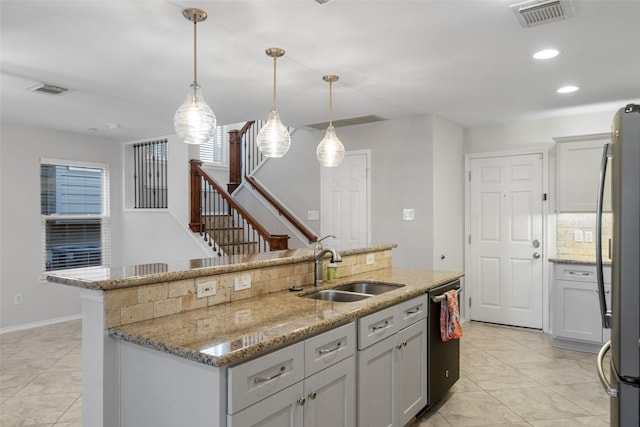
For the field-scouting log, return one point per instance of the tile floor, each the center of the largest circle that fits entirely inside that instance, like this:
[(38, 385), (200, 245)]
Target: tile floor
[(510, 377)]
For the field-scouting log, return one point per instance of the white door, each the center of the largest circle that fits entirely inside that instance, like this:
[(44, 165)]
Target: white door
[(506, 240), (345, 200)]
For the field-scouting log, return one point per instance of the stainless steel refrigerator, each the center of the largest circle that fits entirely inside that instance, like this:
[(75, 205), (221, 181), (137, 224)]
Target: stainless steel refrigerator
[(623, 317)]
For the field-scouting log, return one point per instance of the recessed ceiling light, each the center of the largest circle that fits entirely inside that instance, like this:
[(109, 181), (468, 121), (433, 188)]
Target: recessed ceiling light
[(568, 89), (546, 54)]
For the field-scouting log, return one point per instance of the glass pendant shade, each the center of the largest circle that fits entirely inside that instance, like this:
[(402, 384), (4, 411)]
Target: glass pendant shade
[(273, 139), (194, 120), (330, 151)]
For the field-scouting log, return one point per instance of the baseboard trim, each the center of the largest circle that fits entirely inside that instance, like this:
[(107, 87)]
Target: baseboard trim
[(40, 323), (568, 344)]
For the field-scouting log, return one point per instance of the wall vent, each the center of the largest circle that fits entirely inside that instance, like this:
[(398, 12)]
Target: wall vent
[(537, 12), (348, 122), (47, 88)]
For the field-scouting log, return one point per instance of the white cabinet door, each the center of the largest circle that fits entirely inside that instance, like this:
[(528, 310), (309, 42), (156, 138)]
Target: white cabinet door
[(279, 410), (411, 365), (331, 396), (578, 174), (376, 384), (577, 311)]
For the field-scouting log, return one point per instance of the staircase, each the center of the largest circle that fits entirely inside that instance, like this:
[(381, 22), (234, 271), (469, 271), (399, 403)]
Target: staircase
[(225, 225)]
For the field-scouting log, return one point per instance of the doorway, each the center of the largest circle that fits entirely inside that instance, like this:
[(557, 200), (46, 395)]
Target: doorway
[(345, 201), (505, 245)]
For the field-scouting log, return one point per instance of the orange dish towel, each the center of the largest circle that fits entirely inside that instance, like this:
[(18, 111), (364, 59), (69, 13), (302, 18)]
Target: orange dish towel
[(450, 317)]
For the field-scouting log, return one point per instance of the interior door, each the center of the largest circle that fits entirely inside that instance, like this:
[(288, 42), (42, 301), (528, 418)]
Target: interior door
[(506, 240), (345, 200)]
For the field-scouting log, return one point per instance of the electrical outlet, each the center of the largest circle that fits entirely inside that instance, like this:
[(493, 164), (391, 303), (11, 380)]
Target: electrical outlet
[(313, 215), (588, 236), (370, 259), (242, 282), (17, 299), (578, 236), (408, 214), (205, 288)]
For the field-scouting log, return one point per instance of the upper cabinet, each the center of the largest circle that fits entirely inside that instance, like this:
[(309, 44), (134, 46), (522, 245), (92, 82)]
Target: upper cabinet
[(579, 161)]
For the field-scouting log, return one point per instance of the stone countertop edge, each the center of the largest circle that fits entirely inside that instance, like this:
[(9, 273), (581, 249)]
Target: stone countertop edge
[(80, 277), (288, 331), (578, 261)]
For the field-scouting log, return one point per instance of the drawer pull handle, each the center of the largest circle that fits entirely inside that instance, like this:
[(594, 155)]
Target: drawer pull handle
[(330, 350), (579, 273), (414, 311), (261, 380), (384, 325)]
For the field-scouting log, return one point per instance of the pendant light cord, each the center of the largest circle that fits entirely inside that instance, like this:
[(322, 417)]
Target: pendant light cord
[(273, 104), (330, 103), (195, 61)]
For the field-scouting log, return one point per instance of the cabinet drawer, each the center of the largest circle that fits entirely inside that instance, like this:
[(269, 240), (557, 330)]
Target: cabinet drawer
[(581, 273), (257, 379), (329, 348), (412, 311), (377, 326)]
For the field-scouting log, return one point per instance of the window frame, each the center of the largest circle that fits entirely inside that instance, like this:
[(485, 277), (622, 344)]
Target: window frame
[(104, 217)]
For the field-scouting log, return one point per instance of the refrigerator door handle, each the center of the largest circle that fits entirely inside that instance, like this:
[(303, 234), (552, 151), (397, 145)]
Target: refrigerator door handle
[(604, 312), (603, 379)]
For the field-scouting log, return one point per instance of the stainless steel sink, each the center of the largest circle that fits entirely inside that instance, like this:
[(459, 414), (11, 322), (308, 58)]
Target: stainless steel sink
[(337, 296), (369, 288)]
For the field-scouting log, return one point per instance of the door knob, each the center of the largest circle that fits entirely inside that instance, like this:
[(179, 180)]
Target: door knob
[(536, 255)]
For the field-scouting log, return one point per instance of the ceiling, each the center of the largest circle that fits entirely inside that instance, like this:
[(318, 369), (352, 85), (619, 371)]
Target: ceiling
[(130, 63)]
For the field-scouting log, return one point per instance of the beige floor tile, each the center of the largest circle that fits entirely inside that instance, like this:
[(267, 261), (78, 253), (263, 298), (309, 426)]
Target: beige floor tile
[(39, 409), (464, 384), (552, 373), (589, 396), (497, 377), (54, 382), (476, 409), (471, 355), (73, 414), (518, 354), (431, 419), (538, 403), (571, 422)]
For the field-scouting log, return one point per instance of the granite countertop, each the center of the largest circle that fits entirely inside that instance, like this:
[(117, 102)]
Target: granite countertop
[(232, 332), (110, 278), (578, 260)]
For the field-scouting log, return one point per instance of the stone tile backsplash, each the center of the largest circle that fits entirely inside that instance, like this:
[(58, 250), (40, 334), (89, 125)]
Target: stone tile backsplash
[(567, 225)]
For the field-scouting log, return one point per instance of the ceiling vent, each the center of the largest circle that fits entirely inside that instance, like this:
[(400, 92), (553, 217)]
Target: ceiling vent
[(537, 12), (47, 88), (348, 122)]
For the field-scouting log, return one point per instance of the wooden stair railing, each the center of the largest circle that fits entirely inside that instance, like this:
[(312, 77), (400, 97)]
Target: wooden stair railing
[(247, 157), (226, 226)]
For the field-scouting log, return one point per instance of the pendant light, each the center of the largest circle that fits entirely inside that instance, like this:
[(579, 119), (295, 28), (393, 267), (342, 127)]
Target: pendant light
[(194, 120), (330, 151), (273, 139)]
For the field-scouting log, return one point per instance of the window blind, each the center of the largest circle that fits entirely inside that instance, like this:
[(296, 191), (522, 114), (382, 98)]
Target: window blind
[(75, 216), (216, 150)]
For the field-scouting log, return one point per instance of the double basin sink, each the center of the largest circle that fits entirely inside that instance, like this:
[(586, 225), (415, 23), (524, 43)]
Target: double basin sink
[(355, 291)]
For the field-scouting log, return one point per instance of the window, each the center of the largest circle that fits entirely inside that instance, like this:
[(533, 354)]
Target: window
[(150, 175), (216, 151), (75, 215)]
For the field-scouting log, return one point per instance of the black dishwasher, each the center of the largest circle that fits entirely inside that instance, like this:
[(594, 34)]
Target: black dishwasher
[(443, 357)]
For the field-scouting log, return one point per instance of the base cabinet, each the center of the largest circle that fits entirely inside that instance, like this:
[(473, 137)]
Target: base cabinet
[(392, 373), (577, 322), (324, 399)]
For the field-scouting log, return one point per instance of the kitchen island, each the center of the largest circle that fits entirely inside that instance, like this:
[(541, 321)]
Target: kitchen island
[(157, 317)]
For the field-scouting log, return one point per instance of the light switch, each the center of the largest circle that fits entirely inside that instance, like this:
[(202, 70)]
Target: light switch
[(408, 214), (313, 215), (588, 236), (578, 236), (205, 287)]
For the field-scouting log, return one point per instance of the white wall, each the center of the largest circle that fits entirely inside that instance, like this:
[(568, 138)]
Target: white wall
[(534, 133), (448, 195), (163, 235), (21, 249)]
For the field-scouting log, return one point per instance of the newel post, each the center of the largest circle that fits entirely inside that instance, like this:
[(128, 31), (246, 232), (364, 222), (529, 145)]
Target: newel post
[(235, 160), (195, 186)]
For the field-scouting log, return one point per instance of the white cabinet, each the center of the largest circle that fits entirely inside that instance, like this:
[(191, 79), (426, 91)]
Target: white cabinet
[(579, 162), (392, 364), (310, 384), (577, 323)]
